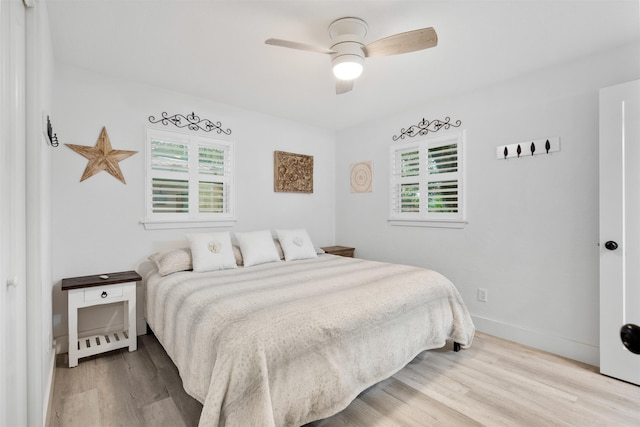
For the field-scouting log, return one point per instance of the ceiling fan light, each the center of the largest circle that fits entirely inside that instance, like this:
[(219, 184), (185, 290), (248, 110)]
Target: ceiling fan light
[(347, 67)]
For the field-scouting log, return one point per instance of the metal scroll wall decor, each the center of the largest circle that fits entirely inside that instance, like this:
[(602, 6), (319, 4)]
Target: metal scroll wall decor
[(425, 126), (529, 148), (190, 121)]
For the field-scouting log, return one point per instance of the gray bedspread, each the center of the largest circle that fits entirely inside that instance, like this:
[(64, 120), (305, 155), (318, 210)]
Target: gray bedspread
[(286, 343)]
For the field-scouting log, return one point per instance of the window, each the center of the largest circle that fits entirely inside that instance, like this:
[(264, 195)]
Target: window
[(427, 185), (189, 180)]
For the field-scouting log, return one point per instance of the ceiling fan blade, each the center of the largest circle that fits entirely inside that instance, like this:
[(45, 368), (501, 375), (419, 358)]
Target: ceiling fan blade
[(343, 86), (403, 43), (299, 46)]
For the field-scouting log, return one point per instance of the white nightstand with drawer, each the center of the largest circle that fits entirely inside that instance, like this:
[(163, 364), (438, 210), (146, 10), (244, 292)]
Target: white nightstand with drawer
[(87, 291)]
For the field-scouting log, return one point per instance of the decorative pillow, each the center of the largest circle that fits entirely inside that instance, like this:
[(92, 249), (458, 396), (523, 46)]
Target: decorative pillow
[(257, 247), (296, 244), (211, 251), (172, 261), (238, 253)]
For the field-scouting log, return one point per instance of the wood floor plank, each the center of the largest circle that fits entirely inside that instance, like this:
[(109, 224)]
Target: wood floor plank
[(419, 378), (189, 407), (116, 406), (357, 414), (144, 383), (162, 413), (69, 383), (493, 383), (598, 392), (73, 381), (392, 408), (472, 408), (504, 392), (159, 357), (432, 412), (80, 409)]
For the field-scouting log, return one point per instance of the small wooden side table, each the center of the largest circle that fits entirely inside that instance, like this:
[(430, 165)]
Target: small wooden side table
[(86, 291), (340, 250)]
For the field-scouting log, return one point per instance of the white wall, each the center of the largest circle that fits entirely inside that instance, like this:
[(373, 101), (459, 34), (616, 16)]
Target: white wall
[(532, 236), (96, 222)]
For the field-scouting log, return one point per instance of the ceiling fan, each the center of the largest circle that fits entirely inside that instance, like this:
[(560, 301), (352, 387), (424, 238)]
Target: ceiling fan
[(348, 49)]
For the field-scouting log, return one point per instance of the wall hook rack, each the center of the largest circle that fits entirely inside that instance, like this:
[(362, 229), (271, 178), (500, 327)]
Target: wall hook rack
[(425, 126), (529, 148), (192, 121)]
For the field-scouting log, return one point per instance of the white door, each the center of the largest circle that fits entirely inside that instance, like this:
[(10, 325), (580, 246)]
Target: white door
[(619, 227), (13, 319)]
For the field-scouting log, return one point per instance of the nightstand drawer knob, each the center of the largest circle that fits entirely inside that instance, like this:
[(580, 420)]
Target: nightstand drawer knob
[(101, 293)]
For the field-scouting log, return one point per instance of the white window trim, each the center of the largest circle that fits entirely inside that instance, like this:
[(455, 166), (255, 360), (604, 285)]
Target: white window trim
[(433, 223), (174, 224), (153, 222), (423, 218)]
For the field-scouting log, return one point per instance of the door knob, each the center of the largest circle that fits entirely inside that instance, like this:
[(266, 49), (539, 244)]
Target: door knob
[(611, 245)]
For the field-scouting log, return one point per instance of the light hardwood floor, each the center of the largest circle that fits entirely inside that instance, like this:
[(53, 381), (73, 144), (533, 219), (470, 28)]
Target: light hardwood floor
[(494, 383)]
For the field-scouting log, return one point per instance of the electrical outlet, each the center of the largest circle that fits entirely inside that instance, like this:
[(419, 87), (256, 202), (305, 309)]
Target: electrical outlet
[(482, 294)]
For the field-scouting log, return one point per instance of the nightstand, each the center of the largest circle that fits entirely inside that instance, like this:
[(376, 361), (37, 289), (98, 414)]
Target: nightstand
[(87, 291), (340, 250)]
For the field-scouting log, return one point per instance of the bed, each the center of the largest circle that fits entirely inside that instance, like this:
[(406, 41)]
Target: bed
[(287, 343)]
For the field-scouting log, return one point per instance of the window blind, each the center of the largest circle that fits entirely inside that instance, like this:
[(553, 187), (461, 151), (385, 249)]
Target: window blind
[(427, 179), (189, 178), (442, 164), (170, 195)]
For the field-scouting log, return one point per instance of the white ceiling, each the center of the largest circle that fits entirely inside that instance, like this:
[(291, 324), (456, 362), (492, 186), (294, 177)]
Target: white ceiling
[(215, 49)]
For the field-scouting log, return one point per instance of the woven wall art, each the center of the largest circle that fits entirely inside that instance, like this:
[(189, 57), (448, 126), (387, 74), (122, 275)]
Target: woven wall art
[(292, 173)]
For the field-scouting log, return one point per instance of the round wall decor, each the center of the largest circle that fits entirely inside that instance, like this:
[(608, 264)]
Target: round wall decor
[(361, 177)]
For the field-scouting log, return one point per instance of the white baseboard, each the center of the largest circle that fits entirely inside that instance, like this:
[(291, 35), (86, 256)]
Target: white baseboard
[(561, 346), (51, 382)]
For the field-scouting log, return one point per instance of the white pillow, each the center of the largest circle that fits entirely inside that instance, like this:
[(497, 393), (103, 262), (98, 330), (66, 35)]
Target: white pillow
[(257, 247), (172, 261), (296, 244), (211, 251)]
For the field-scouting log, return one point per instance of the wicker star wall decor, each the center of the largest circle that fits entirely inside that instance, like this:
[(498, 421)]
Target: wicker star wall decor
[(102, 157)]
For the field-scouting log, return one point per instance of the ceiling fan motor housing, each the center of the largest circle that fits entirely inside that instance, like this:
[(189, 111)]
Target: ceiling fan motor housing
[(345, 26), (347, 36)]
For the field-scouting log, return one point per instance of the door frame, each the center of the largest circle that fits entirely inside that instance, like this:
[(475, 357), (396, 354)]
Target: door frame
[(13, 335)]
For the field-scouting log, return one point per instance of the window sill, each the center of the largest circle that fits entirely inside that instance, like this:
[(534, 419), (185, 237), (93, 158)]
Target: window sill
[(433, 223), (175, 224)]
